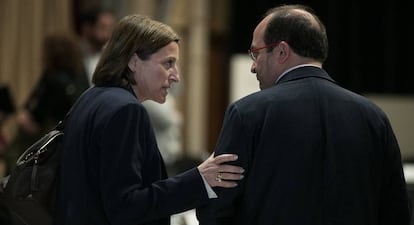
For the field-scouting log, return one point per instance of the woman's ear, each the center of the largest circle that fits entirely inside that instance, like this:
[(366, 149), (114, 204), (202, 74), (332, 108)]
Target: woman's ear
[(133, 62)]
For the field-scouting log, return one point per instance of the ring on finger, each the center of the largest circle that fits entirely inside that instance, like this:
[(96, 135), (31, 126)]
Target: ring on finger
[(219, 176)]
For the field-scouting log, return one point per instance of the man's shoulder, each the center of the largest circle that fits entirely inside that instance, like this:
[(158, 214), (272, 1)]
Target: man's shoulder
[(259, 97)]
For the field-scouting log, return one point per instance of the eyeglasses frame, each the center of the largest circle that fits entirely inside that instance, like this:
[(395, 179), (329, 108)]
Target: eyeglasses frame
[(252, 51)]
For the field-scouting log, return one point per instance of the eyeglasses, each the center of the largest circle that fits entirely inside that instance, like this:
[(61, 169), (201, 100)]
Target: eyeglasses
[(254, 52)]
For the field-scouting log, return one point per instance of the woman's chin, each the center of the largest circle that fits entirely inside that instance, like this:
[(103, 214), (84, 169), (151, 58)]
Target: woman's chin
[(160, 100)]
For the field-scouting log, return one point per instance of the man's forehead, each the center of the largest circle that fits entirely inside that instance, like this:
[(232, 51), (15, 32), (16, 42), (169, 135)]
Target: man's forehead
[(259, 30)]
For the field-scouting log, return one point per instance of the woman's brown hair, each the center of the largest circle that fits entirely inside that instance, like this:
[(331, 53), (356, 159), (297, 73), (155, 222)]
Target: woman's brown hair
[(133, 34)]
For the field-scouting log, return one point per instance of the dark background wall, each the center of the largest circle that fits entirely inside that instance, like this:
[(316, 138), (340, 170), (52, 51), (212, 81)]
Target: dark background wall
[(371, 45)]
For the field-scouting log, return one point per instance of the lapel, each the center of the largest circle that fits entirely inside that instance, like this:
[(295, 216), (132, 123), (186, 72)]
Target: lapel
[(305, 72)]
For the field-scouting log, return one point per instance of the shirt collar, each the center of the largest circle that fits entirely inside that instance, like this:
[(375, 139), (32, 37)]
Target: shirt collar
[(292, 68)]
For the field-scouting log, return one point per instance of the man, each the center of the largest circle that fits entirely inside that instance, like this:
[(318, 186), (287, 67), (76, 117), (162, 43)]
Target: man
[(95, 29), (313, 152)]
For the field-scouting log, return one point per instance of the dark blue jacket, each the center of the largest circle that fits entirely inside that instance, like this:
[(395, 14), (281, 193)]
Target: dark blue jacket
[(314, 154), (112, 171)]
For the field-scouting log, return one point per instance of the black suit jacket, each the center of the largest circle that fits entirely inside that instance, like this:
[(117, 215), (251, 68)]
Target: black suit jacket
[(111, 169), (314, 153)]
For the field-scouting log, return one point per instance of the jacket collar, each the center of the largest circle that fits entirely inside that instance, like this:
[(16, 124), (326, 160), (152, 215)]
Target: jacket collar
[(304, 72)]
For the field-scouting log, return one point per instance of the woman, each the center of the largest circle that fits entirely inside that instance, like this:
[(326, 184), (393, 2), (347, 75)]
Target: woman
[(62, 81), (112, 171)]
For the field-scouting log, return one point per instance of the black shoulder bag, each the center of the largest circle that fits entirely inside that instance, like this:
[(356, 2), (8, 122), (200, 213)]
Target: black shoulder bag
[(29, 192)]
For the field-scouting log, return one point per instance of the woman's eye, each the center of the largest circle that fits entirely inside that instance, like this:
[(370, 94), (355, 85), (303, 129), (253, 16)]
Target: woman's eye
[(169, 63)]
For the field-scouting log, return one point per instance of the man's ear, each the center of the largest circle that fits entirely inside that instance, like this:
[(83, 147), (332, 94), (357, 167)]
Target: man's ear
[(132, 63), (283, 50)]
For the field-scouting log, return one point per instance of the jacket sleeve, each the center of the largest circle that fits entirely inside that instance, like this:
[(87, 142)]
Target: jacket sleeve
[(131, 194), (233, 139), (395, 207)]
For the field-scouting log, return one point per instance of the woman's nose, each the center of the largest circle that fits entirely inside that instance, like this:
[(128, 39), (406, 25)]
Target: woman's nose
[(175, 77)]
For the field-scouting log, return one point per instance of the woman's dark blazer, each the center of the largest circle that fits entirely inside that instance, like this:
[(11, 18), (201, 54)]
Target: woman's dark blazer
[(111, 169)]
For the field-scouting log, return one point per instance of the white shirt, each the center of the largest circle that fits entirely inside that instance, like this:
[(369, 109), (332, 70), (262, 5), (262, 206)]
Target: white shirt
[(292, 68)]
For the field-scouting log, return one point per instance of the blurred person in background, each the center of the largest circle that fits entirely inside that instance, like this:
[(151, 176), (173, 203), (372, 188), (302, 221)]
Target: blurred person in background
[(61, 82), (95, 29), (167, 122)]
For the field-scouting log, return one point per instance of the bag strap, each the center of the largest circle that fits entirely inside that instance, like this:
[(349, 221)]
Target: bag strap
[(61, 124)]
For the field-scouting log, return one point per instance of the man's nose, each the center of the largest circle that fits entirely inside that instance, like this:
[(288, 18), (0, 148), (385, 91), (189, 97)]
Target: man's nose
[(253, 67)]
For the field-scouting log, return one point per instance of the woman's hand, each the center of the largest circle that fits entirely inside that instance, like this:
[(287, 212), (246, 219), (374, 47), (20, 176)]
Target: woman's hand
[(218, 174)]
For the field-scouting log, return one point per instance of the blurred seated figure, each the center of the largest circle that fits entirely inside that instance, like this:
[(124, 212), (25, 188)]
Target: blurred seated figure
[(167, 123), (62, 80), (5, 214), (6, 109)]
